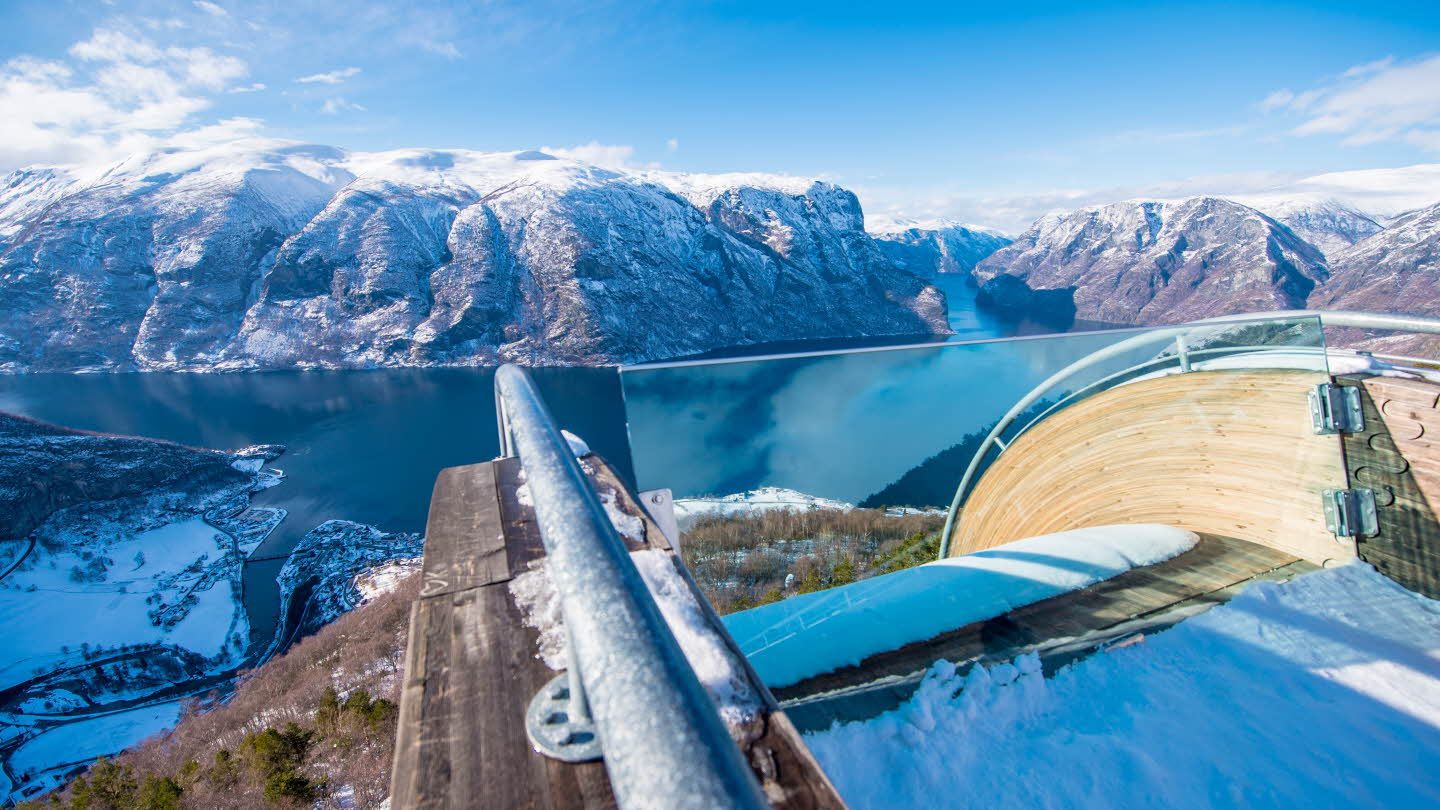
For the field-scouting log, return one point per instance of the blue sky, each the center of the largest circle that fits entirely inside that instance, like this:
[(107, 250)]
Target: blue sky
[(924, 108)]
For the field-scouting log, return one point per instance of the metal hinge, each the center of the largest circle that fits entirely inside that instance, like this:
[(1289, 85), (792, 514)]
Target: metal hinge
[(1336, 409), (1350, 512)]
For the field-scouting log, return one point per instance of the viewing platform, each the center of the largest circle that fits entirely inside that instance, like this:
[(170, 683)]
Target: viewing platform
[(1185, 467)]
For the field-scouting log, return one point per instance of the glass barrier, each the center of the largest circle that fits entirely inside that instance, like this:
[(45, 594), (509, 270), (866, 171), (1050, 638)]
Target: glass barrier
[(798, 474)]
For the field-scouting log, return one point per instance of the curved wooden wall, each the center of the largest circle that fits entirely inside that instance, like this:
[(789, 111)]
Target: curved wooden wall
[(1220, 452)]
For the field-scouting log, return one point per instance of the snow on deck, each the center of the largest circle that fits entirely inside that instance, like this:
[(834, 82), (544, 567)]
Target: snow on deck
[(1320, 692), (814, 633)]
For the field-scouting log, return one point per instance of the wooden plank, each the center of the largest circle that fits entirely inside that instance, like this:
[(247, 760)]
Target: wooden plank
[(1229, 453), (478, 673), (471, 666), (464, 545), (1397, 456)]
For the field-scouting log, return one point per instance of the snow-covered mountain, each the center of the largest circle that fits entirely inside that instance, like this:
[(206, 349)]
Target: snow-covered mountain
[(1152, 262), (1329, 225), (270, 254), (927, 248), (1395, 270)]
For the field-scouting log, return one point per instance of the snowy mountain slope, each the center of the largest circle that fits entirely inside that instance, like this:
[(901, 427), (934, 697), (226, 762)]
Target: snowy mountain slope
[(113, 531), (1395, 270), (936, 247), (264, 254), (1152, 262), (1329, 225)]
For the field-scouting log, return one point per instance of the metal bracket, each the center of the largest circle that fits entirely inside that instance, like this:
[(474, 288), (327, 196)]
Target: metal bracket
[(1350, 512), (561, 728), (1336, 409), (660, 503)]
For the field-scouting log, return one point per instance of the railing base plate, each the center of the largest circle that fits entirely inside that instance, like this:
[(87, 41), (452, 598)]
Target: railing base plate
[(553, 731)]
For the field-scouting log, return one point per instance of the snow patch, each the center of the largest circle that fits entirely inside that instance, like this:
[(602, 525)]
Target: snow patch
[(714, 663), (534, 593), (1258, 703), (577, 444)]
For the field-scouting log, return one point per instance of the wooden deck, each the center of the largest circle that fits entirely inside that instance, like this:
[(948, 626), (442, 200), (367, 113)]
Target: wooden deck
[(1207, 573), (471, 667)]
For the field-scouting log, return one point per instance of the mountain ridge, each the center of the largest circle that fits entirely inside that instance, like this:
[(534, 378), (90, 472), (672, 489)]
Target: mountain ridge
[(266, 254)]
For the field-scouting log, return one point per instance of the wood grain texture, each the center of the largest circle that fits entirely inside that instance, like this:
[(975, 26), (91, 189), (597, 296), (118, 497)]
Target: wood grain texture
[(464, 546), (1229, 453), (1397, 456), (471, 667)]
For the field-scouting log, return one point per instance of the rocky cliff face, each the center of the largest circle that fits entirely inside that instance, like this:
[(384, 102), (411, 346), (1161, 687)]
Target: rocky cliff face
[(278, 255), (938, 248), (1152, 262)]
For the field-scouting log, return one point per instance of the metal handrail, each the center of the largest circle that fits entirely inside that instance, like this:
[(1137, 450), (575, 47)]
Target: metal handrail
[(663, 741), (1338, 318)]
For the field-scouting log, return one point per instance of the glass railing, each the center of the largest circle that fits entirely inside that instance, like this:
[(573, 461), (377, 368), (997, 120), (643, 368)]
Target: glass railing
[(801, 473)]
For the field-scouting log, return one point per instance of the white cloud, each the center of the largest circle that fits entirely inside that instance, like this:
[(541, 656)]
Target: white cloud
[(1369, 67), (337, 105), (1370, 103), (1277, 100), (120, 92), (211, 8), (333, 77), (611, 156), (253, 88), (110, 45)]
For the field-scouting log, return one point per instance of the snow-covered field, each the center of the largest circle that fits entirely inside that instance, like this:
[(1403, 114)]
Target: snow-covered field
[(1323, 692), (86, 740), (812, 633), (44, 609)]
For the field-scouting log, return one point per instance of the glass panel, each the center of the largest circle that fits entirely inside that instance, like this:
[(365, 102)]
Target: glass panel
[(801, 473)]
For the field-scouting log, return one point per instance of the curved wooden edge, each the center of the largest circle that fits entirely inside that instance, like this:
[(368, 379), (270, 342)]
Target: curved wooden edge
[(1230, 453)]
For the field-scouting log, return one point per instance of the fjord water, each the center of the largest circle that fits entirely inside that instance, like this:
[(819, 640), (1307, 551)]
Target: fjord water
[(366, 445), (362, 445)]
